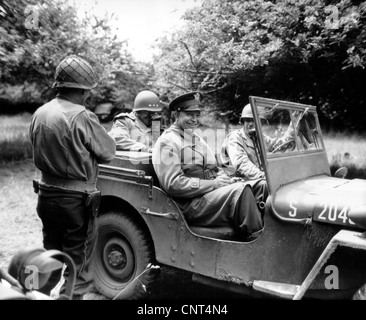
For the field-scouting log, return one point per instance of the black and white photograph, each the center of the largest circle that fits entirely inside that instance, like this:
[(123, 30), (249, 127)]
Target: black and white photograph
[(191, 155)]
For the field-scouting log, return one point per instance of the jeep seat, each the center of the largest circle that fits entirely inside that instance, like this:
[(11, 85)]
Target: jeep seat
[(135, 160), (223, 233)]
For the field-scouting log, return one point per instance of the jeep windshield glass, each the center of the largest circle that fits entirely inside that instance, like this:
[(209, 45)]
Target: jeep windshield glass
[(287, 129)]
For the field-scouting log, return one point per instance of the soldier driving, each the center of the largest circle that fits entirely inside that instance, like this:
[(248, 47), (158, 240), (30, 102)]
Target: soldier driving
[(188, 172), (133, 131), (68, 144), (239, 157)]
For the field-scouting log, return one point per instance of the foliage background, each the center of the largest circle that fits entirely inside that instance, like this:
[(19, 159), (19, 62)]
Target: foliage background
[(29, 56), (307, 51)]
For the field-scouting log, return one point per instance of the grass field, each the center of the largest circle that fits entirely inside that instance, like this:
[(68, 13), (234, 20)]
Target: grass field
[(20, 226)]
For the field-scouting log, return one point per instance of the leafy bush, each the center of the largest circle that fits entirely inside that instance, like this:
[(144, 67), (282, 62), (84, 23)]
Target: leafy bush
[(306, 51), (14, 140), (31, 49)]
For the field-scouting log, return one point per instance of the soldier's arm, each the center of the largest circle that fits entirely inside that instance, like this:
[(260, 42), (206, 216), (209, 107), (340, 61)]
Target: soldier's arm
[(97, 140), (240, 160), (120, 132), (167, 164)]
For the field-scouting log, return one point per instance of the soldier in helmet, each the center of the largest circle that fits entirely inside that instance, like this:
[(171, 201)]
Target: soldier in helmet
[(133, 131), (187, 170), (68, 144), (238, 154)]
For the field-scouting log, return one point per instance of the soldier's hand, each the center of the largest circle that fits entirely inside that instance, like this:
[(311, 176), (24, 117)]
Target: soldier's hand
[(221, 181)]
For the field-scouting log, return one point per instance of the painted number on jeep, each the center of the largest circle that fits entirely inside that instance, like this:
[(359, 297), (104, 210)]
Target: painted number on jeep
[(330, 213)]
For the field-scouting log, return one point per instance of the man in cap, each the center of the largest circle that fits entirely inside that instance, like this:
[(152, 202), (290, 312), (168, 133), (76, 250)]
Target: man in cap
[(187, 170), (239, 157), (134, 131), (68, 144)]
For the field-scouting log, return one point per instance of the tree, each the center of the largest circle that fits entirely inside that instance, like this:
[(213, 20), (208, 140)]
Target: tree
[(305, 51), (35, 35)]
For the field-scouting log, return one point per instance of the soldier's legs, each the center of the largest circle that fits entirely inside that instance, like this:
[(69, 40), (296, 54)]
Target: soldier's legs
[(260, 190), (247, 217), (77, 240), (233, 205), (52, 239)]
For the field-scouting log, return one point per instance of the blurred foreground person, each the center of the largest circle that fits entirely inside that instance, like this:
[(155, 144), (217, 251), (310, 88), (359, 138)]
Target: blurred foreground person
[(134, 131), (187, 170), (68, 144)]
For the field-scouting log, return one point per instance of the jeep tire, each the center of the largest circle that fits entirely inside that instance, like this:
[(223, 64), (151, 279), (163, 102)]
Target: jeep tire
[(123, 252)]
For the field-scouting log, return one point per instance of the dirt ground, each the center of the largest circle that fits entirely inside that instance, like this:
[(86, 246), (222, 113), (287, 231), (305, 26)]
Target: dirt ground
[(21, 228)]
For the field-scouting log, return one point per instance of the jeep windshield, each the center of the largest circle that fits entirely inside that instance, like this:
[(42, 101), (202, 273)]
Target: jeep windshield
[(289, 129)]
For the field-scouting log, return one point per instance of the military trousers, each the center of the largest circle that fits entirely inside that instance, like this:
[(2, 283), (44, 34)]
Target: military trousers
[(260, 191), (70, 228), (234, 205)]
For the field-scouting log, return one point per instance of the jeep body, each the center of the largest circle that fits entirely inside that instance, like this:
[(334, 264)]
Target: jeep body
[(313, 244)]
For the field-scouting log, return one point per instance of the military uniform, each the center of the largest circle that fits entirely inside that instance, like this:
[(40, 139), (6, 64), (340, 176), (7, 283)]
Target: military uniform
[(136, 131), (239, 159), (130, 133), (186, 169), (238, 156), (68, 144)]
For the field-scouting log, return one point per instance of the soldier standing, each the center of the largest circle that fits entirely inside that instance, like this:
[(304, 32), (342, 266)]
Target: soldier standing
[(187, 170), (68, 144), (133, 131)]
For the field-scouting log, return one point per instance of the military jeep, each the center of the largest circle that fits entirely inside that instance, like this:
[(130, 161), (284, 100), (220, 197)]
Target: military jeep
[(314, 240)]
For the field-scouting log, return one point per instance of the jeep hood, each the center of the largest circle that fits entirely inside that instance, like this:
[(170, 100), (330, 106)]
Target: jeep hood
[(324, 199)]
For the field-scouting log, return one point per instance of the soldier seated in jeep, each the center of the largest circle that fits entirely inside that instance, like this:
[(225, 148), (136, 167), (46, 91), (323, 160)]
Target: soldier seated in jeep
[(135, 131), (188, 172)]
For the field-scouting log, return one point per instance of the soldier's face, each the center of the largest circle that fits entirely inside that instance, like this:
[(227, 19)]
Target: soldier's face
[(188, 120), (146, 117), (248, 124)]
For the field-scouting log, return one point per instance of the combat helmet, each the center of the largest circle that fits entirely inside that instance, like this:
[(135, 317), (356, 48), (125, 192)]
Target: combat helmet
[(248, 114), (147, 100), (75, 72)]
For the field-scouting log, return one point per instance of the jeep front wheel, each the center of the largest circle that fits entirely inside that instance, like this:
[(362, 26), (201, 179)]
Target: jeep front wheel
[(123, 253)]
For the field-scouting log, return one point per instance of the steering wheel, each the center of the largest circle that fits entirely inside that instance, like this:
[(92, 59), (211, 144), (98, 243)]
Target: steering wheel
[(289, 144)]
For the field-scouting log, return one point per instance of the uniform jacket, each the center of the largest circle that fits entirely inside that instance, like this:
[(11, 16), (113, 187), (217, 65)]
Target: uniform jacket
[(184, 164), (130, 133), (68, 141), (238, 156), (186, 169)]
